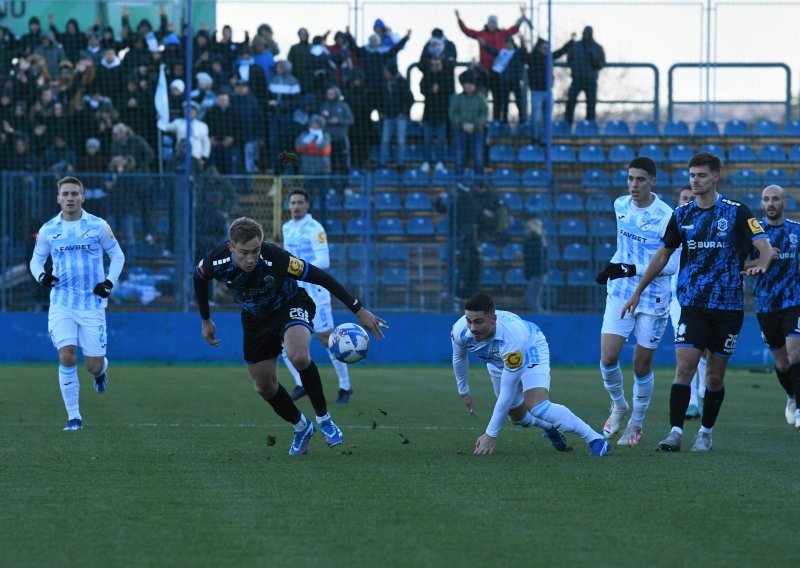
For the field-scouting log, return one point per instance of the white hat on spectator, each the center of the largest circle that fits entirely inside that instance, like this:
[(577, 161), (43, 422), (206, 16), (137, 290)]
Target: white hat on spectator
[(204, 78), (178, 85)]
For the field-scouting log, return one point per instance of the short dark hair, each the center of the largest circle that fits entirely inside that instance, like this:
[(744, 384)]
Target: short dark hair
[(706, 159), (646, 164), (479, 302), (69, 180), (299, 191), (245, 229)]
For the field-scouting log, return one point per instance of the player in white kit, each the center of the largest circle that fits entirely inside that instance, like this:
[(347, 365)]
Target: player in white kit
[(305, 238), (642, 218), (518, 360), (79, 290)]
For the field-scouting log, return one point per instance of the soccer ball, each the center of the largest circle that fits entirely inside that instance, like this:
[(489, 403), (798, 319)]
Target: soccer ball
[(349, 343)]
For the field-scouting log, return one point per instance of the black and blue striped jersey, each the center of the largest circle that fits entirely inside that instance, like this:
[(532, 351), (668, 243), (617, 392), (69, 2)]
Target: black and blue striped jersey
[(715, 242), (779, 287)]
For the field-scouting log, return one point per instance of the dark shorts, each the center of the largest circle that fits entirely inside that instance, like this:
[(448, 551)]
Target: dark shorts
[(263, 335), (706, 328), (777, 326)]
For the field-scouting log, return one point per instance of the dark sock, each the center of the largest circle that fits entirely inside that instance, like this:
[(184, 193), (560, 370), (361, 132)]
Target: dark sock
[(784, 377), (313, 385), (678, 403), (711, 406), (794, 376), (284, 406)]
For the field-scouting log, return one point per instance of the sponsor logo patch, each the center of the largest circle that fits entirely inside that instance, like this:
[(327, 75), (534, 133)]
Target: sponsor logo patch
[(513, 360), (321, 237), (296, 266), (755, 226)]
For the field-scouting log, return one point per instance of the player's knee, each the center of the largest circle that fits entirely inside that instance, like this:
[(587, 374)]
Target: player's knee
[(714, 380), (300, 361), (608, 361), (94, 367), (267, 391), (67, 358), (642, 369)]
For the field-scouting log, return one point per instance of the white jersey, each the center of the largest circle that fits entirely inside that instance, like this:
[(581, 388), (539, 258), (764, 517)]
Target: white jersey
[(306, 239), (77, 249), (516, 346), (639, 233)]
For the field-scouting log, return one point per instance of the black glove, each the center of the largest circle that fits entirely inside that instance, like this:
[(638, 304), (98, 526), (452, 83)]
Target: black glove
[(616, 270), (47, 280), (103, 289)]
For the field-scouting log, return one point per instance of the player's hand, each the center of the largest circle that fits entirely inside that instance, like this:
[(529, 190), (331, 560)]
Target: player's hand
[(753, 271), (485, 445), (103, 289), (47, 280), (630, 306), (467, 398), (371, 322), (209, 329), (614, 270)]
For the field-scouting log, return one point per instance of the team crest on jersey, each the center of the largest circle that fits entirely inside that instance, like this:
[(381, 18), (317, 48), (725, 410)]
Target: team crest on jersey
[(513, 360), (793, 238), (295, 266), (755, 226), (722, 225)]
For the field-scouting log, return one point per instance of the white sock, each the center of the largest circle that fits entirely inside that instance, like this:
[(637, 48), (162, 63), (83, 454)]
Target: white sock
[(105, 367), (529, 420), (612, 380), (564, 419), (678, 430), (701, 377), (642, 393), (302, 424), (321, 419), (693, 386), (341, 372), (70, 390), (705, 430), (291, 368)]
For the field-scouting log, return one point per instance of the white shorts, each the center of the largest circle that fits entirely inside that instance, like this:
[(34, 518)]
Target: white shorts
[(538, 376), (674, 313), (323, 319), (86, 328), (648, 328)]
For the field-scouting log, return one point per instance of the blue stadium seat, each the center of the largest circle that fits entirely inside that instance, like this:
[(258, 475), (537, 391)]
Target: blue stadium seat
[(357, 178), (357, 253), (385, 177), (679, 154), (616, 129), (576, 252), (415, 178), (513, 201), (420, 227), (356, 201), (418, 201), (706, 129), (357, 227), (387, 201), (555, 277), (524, 130), (502, 153), (332, 202), (794, 154), (591, 154), (489, 252), (394, 276), (333, 227), (595, 179), (599, 203), (390, 227), (516, 228), (512, 252), (553, 253), (603, 252), (571, 227), (739, 153), (390, 253), (531, 154), (560, 129), (744, 178), (766, 128), (497, 129), (603, 228), (534, 178), (563, 154), (491, 277), (442, 227), (654, 152), (646, 129), (415, 153), (736, 127), (680, 178), (443, 178), (792, 129), (715, 149), (505, 177), (621, 154), (515, 277), (619, 178), (676, 129), (587, 129), (791, 203), (580, 277), (569, 203), (538, 203), (772, 154), (751, 199), (777, 177), (548, 225)]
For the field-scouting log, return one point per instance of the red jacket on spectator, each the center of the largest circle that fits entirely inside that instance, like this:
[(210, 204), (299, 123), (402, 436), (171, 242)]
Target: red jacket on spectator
[(495, 39)]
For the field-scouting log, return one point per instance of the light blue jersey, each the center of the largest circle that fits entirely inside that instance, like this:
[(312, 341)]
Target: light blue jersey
[(77, 249), (306, 239)]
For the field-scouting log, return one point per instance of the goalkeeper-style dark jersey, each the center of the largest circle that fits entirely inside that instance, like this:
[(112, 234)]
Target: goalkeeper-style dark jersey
[(779, 287), (715, 242)]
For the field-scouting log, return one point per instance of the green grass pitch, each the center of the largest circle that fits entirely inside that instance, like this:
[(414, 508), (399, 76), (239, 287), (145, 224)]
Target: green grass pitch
[(174, 468)]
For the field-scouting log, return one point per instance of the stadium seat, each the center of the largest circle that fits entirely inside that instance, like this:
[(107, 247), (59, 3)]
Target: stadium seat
[(560, 129), (498, 129), (676, 129), (524, 130), (563, 154), (390, 253), (443, 178), (491, 277), (599, 203), (791, 203), (357, 227), (332, 202), (394, 276), (571, 227), (418, 201), (576, 252), (739, 153), (679, 154), (414, 153), (531, 154), (595, 179), (751, 199), (619, 178), (621, 154), (443, 227), (569, 203), (772, 154), (390, 227), (794, 154), (357, 178), (591, 154), (505, 177), (387, 201), (534, 178), (744, 178), (385, 177), (356, 201), (715, 149), (603, 228), (654, 152), (538, 203), (512, 252), (706, 129), (489, 252), (587, 129), (603, 252), (420, 227), (357, 253), (415, 178), (580, 277), (792, 129), (502, 153), (553, 253), (333, 227), (513, 201), (548, 225), (680, 178), (765, 129), (616, 129), (777, 177), (736, 128), (515, 277), (555, 277), (516, 228), (646, 129)]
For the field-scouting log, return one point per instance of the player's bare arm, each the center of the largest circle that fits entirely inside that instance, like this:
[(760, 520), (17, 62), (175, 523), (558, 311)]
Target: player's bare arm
[(209, 330), (765, 255), (656, 266)]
